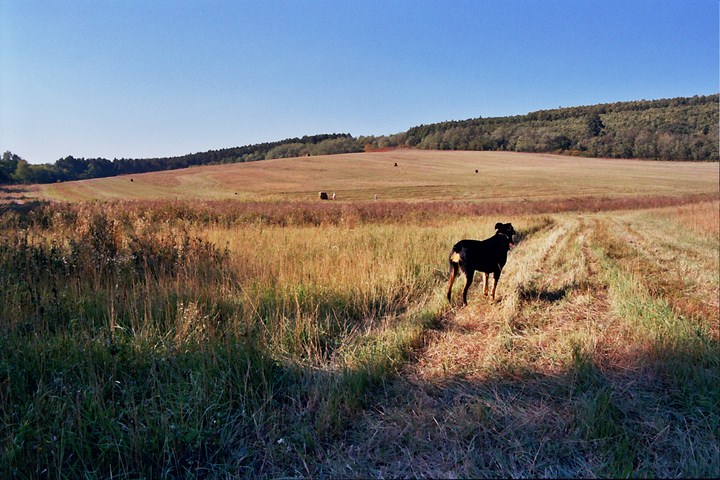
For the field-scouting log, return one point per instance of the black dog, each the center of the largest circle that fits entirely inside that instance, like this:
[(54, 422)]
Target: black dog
[(487, 256)]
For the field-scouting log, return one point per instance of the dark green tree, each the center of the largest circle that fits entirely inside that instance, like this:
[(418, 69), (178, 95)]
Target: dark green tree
[(23, 173), (595, 125), (8, 164), (561, 142), (99, 167), (71, 168)]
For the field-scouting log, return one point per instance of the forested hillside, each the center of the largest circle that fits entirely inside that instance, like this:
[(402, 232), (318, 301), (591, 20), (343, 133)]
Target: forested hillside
[(670, 129), (674, 129)]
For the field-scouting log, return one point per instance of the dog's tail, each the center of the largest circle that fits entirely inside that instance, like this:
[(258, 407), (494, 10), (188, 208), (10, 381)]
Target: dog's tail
[(454, 267)]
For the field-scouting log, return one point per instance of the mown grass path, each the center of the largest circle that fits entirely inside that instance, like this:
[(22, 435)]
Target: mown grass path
[(599, 359)]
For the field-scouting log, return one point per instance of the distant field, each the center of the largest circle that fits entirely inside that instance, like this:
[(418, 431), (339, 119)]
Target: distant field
[(419, 175)]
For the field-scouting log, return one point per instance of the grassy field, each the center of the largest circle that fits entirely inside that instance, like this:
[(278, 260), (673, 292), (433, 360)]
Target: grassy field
[(419, 175), (261, 338)]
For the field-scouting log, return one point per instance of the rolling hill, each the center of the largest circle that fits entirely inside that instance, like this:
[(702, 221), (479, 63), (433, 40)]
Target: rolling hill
[(419, 175), (677, 129)]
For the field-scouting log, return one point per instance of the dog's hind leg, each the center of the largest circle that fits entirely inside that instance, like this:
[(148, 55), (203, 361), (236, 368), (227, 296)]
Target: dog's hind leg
[(469, 278), (454, 267)]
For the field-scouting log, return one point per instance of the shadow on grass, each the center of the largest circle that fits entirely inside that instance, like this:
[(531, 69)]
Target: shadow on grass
[(533, 293), (653, 414), (232, 408), (22, 207)]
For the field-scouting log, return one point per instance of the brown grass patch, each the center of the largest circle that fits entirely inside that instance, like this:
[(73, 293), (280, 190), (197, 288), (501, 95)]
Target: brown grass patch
[(702, 218), (229, 213)]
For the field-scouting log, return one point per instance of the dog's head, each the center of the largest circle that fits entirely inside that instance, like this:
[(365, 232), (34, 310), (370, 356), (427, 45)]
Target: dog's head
[(507, 230)]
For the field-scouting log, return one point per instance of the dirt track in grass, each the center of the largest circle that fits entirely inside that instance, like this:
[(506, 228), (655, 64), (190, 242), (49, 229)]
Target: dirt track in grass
[(555, 379)]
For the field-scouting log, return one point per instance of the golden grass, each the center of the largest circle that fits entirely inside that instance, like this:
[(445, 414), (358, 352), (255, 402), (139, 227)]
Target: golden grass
[(420, 175), (702, 218)]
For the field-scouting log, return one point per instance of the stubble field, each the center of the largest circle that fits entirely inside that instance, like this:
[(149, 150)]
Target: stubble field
[(275, 335), (419, 175)]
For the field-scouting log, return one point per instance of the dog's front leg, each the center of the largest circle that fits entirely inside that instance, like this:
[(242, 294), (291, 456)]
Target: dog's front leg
[(469, 278), (486, 280), (496, 277)]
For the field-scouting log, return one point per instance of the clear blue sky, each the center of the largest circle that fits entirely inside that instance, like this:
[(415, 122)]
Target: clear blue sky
[(144, 78)]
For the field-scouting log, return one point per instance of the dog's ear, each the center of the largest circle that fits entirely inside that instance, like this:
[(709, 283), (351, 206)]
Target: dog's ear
[(498, 226)]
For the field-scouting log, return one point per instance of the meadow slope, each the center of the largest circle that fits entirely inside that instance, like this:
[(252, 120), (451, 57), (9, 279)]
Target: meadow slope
[(419, 175)]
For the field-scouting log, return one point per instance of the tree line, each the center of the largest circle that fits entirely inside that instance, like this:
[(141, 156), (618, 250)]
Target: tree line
[(14, 169), (671, 129), (684, 128)]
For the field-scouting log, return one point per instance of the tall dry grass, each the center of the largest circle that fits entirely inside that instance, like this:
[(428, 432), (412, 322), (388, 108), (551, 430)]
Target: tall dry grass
[(700, 218), (169, 342)]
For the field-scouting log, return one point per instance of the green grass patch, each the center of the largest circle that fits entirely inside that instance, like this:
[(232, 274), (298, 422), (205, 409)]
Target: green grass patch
[(680, 360)]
